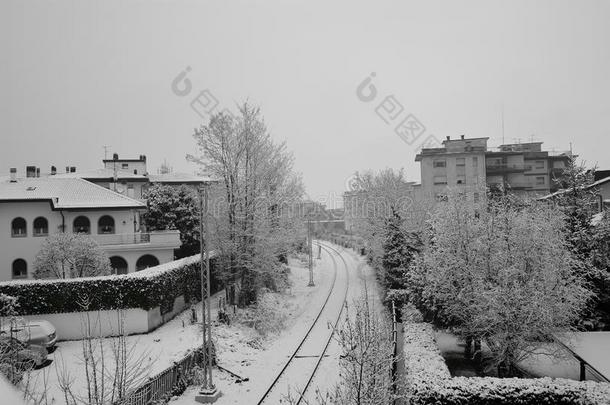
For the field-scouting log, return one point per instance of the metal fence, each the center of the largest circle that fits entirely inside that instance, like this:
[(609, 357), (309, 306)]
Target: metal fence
[(394, 348), (162, 383)]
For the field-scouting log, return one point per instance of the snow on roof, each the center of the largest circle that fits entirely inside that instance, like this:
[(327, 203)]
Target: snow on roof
[(600, 181), (64, 193), (563, 191), (178, 178), (99, 174)]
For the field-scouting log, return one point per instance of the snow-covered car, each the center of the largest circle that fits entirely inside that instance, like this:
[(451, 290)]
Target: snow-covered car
[(41, 333)]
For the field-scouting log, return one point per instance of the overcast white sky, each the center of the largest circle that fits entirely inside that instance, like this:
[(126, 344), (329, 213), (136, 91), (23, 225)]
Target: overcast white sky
[(77, 75)]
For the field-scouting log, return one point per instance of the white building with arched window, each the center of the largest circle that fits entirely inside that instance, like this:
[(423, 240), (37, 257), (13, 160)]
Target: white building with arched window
[(31, 209)]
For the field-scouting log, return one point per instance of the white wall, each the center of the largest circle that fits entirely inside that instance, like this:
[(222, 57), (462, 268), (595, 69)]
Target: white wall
[(69, 325)]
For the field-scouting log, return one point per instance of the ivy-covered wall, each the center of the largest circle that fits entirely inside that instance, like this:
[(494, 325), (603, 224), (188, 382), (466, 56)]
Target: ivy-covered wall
[(146, 289)]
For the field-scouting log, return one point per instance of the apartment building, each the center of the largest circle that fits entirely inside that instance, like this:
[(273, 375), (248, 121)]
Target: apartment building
[(459, 163), (33, 208), (468, 166), (522, 168)]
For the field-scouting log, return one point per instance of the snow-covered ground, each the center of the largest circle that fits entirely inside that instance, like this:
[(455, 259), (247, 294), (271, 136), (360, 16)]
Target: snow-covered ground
[(240, 348), (361, 276), (157, 351), (260, 361), (261, 366)]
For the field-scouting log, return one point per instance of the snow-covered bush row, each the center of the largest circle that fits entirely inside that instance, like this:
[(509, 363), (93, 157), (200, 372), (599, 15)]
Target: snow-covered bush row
[(423, 361), (146, 289), (428, 381)]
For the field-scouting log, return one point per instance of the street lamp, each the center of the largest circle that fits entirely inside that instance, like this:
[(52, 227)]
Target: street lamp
[(208, 392)]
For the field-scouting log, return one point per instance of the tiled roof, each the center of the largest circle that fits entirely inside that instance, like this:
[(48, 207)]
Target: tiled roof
[(65, 193), (178, 178), (100, 174)]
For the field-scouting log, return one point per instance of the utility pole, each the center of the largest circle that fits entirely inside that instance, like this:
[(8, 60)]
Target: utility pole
[(208, 392), (310, 242)]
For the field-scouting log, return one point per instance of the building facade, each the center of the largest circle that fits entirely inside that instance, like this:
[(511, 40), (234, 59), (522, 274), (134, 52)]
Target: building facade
[(467, 166), (459, 164), (33, 208), (467, 163), (525, 168)]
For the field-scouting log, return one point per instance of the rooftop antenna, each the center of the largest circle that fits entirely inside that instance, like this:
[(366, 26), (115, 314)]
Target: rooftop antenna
[(106, 147), (502, 124)]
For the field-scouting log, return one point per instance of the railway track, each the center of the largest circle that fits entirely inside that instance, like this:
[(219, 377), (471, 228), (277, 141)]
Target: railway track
[(301, 360)]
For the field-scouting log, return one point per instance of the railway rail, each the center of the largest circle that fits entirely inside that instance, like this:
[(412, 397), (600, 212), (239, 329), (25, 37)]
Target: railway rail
[(296, 358)]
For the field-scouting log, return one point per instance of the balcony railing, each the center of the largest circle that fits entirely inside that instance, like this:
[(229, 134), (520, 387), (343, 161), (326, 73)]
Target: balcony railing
[(156, 238), (514, 185), (505, 167)]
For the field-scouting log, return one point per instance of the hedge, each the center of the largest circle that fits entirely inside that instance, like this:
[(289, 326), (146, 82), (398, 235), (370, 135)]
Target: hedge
[(428, 381), (146, 289)]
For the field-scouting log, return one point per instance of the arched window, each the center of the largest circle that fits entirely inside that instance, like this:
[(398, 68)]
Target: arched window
[(20, 269), (119, 265), (146, 261), (19, 228), (41, 226), (81, 225), (105, 225)]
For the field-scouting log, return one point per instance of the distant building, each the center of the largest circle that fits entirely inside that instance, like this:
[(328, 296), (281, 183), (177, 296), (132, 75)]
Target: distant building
[(468, 166), (36, 207), (124, 182), (525, 168), (130, 177), (460, 163), (601, 184), (358, 205), (522, 168)]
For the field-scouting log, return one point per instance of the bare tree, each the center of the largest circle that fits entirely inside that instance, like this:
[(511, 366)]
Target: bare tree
[(379, 198), (365, 363), (111, 366), (251, 228), (68, 255)]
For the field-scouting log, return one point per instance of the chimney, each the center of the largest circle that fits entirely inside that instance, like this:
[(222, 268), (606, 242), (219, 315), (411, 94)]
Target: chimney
[(13, 174), (53, 170), (73, 169), (462, 136), (448, 138), (115, 156), (30, 171)]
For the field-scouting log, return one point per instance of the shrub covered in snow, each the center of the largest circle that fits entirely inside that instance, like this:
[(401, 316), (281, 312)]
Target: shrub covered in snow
[(146, 289), (428, 381)]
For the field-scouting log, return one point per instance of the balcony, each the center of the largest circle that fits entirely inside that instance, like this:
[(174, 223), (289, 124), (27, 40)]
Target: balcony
[(499, 168), (157, 239), (512, 185)]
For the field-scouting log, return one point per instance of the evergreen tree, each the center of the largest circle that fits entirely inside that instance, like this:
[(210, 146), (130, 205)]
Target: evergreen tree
[(174, 208), (399, 249)]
